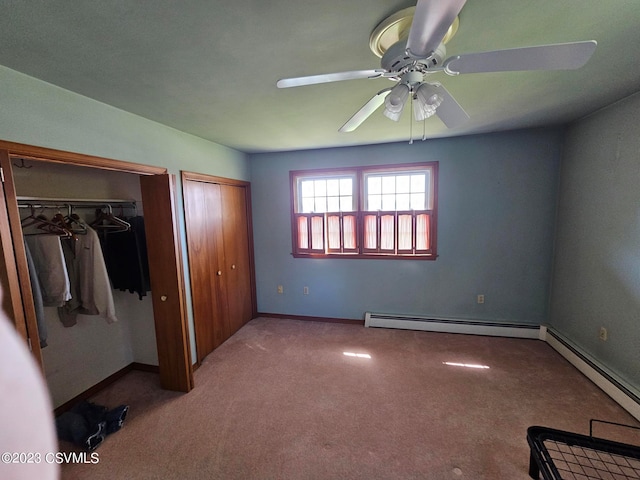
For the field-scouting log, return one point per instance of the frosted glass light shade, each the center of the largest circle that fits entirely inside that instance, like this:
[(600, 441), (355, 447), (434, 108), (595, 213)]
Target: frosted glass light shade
[(426, 100)]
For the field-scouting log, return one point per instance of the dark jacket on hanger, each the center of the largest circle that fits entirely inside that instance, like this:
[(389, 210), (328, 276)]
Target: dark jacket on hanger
[(126, 258)]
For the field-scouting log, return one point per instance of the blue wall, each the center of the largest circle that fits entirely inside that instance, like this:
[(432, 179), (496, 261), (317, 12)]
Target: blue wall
[(596, 280), (497, 202)]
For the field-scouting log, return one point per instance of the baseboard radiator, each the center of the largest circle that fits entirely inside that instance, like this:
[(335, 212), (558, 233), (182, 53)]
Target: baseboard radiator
[(620, 391), (451, 325)]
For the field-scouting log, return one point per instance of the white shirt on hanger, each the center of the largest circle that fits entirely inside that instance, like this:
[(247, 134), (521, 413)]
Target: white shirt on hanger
[(96, 297)]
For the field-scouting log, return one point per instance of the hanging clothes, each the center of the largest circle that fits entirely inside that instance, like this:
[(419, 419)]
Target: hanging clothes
[(126, 258), (37, 297), (91, 281), (68, 313), (48, 259)]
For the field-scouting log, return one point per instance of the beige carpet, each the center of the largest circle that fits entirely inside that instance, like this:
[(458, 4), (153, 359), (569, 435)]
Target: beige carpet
[(281, 400)]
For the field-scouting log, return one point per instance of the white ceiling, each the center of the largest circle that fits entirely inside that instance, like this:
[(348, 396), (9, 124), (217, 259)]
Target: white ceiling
[(209, 67)]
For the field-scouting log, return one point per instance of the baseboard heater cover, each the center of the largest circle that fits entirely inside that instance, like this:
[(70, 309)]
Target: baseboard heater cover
[(452, 325), (625, 396)]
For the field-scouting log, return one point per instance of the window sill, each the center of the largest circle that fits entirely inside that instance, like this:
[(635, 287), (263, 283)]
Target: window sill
[(368, 256)]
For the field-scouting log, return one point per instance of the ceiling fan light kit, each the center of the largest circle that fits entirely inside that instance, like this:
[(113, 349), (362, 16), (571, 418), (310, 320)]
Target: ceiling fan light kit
[(394, 103), (411, 44), (426, 101)]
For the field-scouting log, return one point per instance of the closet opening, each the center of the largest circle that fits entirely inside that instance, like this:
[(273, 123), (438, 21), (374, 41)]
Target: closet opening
[(66, 195)]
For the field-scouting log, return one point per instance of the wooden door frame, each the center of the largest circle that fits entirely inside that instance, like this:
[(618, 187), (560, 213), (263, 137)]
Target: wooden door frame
[(30, 152), (24, 313)]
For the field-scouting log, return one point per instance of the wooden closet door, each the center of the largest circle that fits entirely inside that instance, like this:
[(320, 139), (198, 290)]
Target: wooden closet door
[(220, 255), (199, 266), (167, 282), (203, 218), (237, 255), (218, 278)]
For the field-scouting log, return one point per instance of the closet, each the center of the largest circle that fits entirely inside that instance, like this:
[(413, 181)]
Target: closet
[(220, 252), (159, 320)]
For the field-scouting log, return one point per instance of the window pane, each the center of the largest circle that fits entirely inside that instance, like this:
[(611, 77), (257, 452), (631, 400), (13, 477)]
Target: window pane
[(346, 203), (333, 187), (388, 202), (320, 187), (417, 201), (389, 184), (403, 201), (307, 205), (418, 183), (374, 185), (333, 204), (375, 203), (403, 183), (346, 186), (306, 188), (326, 195)]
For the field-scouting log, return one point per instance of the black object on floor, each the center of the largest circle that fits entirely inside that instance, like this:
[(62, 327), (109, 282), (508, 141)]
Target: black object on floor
[(557, 454), (87, 424)]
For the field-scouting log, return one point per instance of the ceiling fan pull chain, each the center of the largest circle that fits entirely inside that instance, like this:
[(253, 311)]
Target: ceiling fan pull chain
[(411, 121)]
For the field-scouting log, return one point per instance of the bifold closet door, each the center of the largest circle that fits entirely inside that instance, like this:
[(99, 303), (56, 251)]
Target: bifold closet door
[(236, 252), (205, 249), (219, 251), (167, 282)]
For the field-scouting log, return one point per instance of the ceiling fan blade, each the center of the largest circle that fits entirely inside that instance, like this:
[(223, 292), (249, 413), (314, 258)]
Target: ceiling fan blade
[(450, 111), (431, 21), (365, 112), (329, 77), (559, 56)]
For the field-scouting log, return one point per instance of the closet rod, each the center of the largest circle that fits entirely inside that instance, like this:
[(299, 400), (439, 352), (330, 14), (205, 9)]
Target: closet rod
[(60, 203), (101, 201)]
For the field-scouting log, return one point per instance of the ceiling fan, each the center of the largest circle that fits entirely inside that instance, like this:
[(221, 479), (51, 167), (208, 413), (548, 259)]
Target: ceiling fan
[(421, 52)]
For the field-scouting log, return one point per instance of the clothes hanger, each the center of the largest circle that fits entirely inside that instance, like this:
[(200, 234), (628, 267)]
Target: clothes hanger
[(109, 222), (45, 226), (74, 222)]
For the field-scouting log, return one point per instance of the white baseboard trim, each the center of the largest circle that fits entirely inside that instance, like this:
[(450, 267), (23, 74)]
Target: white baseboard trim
[(620, 394), (451, 325)]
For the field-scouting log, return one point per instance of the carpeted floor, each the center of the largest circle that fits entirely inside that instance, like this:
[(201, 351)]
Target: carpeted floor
[(281, 400)]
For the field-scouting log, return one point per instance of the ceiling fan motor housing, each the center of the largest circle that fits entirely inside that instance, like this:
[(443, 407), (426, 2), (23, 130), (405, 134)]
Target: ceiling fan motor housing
[(396, 58)]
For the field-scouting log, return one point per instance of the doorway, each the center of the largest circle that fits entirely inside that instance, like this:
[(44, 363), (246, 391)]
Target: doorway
[(158, 194)]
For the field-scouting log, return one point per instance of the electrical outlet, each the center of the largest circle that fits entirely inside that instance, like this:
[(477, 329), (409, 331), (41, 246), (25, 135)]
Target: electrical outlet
[(480, 298), (305, 290), (603, 334), (280, 289)]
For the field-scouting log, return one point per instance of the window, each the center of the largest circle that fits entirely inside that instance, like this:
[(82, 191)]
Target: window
[(365, 212)]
